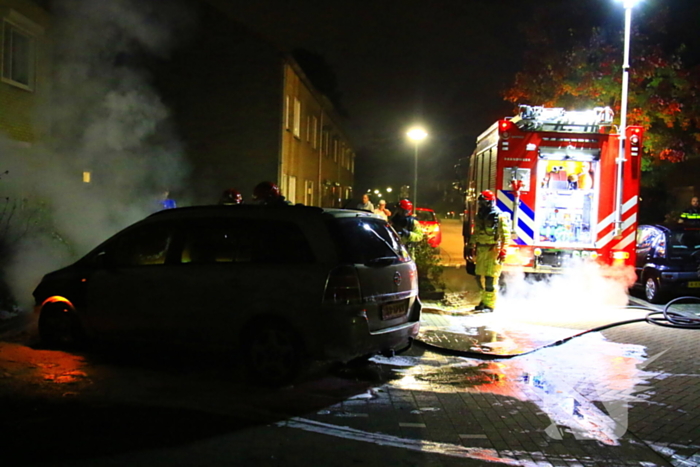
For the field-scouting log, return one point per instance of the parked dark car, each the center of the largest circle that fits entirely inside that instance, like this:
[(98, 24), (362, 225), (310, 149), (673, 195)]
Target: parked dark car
[(430, 224), (668, 259), (280, 285)]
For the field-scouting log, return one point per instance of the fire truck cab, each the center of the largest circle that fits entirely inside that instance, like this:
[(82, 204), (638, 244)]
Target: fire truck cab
[(558, 175)]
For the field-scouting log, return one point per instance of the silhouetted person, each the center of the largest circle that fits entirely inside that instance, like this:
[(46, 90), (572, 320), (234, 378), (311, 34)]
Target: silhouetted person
[(691, 216)]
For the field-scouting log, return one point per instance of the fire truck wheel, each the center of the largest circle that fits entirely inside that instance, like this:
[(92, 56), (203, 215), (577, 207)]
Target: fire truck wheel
[(652, 290)]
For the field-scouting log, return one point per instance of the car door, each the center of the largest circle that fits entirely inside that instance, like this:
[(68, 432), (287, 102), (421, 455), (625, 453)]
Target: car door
[(129, 293), (233, 270)]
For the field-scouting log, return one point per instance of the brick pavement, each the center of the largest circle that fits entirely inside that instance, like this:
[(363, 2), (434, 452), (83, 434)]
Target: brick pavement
[(629, 395)]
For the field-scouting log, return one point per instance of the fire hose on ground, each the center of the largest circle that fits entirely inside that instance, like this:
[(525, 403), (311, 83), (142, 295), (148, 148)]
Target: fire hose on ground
[(665, 318)]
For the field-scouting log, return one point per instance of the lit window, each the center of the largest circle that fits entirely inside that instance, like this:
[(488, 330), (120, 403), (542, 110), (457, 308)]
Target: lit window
[(292, 189), (286, 112), (309, 193), (18, 63), (297, 118), (87, 176)]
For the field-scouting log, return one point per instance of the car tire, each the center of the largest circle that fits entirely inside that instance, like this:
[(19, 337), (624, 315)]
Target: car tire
[(273, 354), (59, 327), (652, 289)]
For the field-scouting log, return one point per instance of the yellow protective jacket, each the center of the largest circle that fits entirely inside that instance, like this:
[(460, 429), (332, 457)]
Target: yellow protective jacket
[(491, 234)]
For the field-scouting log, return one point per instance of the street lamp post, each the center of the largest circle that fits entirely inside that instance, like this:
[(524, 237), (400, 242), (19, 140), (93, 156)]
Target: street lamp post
[(628, 4), (417, 135)]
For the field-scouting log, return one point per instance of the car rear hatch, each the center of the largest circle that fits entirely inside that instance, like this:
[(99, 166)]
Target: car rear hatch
[(377, 263)]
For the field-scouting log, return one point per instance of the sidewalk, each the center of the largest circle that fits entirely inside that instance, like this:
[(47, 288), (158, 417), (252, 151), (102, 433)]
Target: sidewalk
[(632, 389)]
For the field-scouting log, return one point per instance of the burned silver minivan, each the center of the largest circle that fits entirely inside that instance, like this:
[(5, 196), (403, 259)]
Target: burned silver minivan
[(279, 285)]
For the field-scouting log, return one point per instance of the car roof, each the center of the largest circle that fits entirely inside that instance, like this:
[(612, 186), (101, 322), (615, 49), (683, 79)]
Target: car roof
[(250, 210), (672, 228), (425, 209)]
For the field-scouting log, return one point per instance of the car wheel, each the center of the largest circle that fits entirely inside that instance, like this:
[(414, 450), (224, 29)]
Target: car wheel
[(273, 355), (652, 290), (59, 327)]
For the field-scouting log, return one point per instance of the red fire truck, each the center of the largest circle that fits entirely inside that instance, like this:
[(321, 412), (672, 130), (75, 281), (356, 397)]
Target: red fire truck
[(558, 174)]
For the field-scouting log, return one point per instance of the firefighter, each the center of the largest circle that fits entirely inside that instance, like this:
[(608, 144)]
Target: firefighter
[(405, 224), (268, 194), (231, 197), (488, 245)]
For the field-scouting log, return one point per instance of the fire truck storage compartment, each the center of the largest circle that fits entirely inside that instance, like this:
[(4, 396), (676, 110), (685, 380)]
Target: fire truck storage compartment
[(566, 212)]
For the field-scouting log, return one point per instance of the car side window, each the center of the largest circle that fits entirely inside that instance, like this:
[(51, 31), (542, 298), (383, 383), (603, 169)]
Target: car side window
[(249, 241), (210, 243), (143, 246), (280, 242)]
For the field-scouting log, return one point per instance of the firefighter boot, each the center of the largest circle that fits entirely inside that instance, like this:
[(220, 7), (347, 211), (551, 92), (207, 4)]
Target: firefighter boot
[(489, 300)]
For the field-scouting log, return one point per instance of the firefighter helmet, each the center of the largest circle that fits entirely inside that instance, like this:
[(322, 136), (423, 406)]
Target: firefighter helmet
[(231, 196), (487, 195), (265, 190), (406, 205)]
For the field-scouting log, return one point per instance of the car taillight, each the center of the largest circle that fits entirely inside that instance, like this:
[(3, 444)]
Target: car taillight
[(342, 286)]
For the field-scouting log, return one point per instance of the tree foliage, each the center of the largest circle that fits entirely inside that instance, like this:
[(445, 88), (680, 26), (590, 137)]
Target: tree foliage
[(663, 92)]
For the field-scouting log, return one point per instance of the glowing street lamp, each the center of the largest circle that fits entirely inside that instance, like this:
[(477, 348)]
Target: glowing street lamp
[(628, 5), (416, 134)]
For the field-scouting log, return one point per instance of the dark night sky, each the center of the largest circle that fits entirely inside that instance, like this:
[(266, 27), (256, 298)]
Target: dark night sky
[(442, 63)]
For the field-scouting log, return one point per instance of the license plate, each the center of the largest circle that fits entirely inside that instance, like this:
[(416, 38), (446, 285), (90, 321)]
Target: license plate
[(694, 284), (394, 310)]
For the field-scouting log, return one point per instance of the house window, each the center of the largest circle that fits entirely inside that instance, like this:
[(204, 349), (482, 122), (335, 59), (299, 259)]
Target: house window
[(285, 184), (309, 193), (292, 193), (297, 118), (286, 112), (18, 52), (314, 132), (87, 176)]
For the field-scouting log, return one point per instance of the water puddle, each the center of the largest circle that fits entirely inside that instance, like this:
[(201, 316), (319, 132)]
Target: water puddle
[(565, 382), (46, 365)]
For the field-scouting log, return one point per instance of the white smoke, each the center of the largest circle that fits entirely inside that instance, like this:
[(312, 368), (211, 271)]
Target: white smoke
[(102, 115), (584, 288)]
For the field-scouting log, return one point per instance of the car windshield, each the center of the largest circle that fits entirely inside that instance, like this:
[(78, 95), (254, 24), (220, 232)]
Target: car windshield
[(425, 216), (684, 240), (363, 240)]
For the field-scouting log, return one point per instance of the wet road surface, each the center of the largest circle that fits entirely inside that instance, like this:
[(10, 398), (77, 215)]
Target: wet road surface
[(628, 396)]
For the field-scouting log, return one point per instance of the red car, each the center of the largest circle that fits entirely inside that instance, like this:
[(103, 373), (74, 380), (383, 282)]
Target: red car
[(428, 220)]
